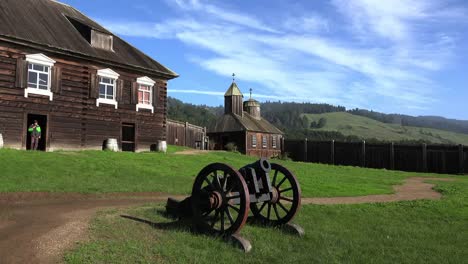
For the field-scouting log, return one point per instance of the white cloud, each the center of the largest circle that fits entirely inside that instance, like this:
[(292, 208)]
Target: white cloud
[(227, 16), (312, 23), (388, 53)]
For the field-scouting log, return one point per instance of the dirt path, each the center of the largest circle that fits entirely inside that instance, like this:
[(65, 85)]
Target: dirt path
[(413, 189), (39, 227)]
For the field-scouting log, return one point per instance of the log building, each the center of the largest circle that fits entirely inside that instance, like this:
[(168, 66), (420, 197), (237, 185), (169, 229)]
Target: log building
[(243, 126), (81, 82)]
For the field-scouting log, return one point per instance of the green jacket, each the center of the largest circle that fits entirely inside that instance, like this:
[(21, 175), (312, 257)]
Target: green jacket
[(35, 131)]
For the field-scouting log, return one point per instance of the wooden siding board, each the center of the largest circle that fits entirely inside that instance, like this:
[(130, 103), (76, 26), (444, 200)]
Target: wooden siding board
[(73, 114)]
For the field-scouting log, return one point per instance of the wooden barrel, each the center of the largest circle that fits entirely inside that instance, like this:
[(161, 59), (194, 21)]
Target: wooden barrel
[(162, 146), (112, 145), (1, 141)]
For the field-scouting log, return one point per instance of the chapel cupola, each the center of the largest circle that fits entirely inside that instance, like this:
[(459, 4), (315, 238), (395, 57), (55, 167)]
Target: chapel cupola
[(252, 107), (233, 99)]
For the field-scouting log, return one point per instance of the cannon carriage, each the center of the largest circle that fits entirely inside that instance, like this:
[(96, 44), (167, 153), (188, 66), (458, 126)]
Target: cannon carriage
[(222, 197)]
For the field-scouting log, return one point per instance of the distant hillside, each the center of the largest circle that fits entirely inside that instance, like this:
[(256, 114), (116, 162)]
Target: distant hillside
[(369, 129), (297, 121), (460, 126)]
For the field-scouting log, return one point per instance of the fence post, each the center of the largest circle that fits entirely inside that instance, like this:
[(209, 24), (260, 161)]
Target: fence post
[(332, 152), (363, 154), (461, 160), (203, 139), (424, 157), (392, 156), (305, 150), (185, 134)]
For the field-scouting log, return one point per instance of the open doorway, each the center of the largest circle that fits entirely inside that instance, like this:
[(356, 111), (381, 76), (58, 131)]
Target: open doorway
[(128, 137), (42, 121)]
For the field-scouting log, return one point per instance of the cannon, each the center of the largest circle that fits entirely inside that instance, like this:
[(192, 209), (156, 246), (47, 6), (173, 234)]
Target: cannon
[(223, 196)]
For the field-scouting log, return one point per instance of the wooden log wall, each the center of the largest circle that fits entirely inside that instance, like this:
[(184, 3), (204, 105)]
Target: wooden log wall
[(185, 134), (74, 120), (260, 150), (450, 159)]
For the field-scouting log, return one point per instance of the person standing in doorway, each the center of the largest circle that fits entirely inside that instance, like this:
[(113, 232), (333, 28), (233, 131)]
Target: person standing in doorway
[(35, 131)]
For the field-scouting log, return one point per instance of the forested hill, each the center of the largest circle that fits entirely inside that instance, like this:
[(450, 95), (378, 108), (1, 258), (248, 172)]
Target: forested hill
[(437, 122), (293, 119), (200, 115)]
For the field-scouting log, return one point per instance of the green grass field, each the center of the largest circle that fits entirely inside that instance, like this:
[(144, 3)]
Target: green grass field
[(366, 128), (101, 172), (399, 232)]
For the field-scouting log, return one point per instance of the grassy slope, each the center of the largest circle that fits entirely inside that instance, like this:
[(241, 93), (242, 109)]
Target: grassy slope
[(401, 232), (364, 127), (98, 172)]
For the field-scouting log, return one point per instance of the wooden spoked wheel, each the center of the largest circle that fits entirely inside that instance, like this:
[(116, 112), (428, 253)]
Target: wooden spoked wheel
[(220, 200), (285, 201)]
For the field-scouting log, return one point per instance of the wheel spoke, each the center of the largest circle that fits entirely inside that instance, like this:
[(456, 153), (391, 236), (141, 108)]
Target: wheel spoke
[(261, 208), (233, 207), (286, 199), (214, 219), (225, 181), (276, 211), (207, 181), (281, 182), (269, 210), (229, 215), (207, 213), (285, 190), (217, 180), (233, 197), (274, 177), (282, 207), (233, 187)]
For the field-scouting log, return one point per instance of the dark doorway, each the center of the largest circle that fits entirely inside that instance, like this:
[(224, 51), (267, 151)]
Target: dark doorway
[(128, 137), (42, 121)]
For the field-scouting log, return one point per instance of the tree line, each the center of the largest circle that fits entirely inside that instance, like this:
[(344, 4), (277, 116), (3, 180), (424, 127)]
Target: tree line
[(290, 118)]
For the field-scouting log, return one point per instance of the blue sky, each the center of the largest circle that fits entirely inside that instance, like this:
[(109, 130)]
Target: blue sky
[(399, 56)]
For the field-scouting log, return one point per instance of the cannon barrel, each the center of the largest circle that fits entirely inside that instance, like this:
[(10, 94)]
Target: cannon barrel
[(261, 166), (257, 178)]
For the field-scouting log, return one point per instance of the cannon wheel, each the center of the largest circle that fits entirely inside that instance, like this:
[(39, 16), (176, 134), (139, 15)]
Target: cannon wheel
[(220, 200), (285, 201)]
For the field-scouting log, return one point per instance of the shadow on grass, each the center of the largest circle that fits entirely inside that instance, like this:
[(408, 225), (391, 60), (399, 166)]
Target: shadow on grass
[(177, 224), (186, 225), (288, 228)]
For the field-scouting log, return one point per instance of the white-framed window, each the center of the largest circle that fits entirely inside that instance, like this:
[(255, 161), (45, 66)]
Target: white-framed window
[(254, 141), (107, 87), (264, 141), (39, 75), (145, 93), (273, 141)]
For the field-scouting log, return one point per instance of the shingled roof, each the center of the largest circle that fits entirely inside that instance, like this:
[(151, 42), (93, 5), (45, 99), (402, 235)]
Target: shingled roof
[(234, 123), (45, 24)]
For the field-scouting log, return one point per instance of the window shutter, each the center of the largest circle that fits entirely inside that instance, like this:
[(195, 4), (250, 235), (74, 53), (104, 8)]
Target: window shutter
[(93, 86), (155, 95), (56, 79), (134, 93), (21, 73), (120, 88)]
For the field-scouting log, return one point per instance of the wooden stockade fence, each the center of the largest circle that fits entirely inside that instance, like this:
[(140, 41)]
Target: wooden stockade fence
[(185, 134), (451, 159)]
